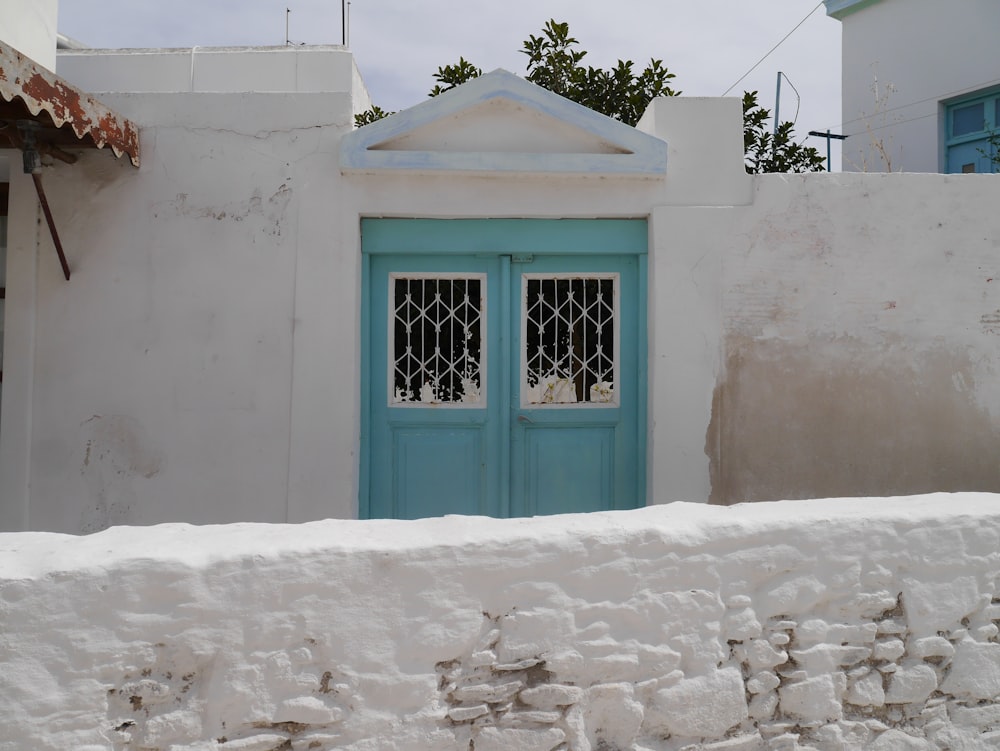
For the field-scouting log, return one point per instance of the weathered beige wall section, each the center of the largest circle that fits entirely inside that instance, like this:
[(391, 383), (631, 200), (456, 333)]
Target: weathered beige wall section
[(861, 317)]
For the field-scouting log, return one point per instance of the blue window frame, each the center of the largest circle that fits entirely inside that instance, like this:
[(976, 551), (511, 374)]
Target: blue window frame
[(972, 130)]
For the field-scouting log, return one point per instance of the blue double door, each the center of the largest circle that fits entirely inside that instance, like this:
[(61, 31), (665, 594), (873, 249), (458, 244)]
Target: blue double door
[(503, 367)]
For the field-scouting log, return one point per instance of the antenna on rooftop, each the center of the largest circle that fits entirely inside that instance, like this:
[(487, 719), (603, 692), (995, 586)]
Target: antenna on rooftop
[(288, 39)]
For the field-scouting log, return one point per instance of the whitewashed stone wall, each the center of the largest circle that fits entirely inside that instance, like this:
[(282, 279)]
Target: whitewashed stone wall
[(842, 624)]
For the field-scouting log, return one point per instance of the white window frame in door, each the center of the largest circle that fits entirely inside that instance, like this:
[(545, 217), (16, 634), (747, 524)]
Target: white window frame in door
[(391, 396), (523, 389)]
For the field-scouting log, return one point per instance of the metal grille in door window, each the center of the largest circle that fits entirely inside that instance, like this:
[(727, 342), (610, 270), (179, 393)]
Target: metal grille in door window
[(569, 339), (436, 339)]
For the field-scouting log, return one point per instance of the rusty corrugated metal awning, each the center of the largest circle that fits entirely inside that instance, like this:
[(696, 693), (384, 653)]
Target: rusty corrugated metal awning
[(67, 116)]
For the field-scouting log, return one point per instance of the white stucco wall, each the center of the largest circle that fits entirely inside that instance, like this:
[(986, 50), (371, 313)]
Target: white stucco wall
[(927, 52), (175, 335), (207, 345), (843, 624), (29, 26), (316, 69), (202, 364)]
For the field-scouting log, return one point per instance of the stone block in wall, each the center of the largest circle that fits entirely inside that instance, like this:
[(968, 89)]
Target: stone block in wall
[(792, 593), (977, 716), (931, 646), (897, 740), (934, 606), (888, 649), (759, 654), (741, 624), (704, 706), (911, 684), (612, 716), (529, 633), (750, 742), (513, 739), (867, 691), (763, 706), (257, 742), (550, 696), (819, 698), (974, 672), (824, 658), (762, 682)]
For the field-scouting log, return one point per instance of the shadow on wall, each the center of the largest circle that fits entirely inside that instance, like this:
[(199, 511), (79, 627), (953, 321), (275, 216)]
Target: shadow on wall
[(839, 418)]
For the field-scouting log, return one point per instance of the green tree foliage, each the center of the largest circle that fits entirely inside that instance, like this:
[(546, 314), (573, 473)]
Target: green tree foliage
[(555, 63), (450, 76), (773, 151), (371, 115), (619, 93), (992, 152)]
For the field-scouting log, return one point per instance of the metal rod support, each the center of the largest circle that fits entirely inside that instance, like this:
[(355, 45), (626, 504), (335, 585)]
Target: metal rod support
[(37, 179)]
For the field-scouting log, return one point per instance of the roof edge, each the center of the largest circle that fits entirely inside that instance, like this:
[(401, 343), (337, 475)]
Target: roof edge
[(840, 8), (41, 90), (644, 155)]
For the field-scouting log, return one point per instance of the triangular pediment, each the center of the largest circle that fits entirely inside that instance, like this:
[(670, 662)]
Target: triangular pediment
[(499, 123)]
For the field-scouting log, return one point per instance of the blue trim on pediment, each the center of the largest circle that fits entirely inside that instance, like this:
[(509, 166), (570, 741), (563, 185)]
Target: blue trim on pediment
[(840, 8), (364, 150)]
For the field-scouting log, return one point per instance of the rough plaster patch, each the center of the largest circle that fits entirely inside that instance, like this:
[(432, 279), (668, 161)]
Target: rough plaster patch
[(117, 455), (269, 213)]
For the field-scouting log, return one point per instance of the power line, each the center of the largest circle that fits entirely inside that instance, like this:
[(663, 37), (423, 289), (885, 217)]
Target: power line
[(895, 122), (798, 98), (773, 48), (935, 97)]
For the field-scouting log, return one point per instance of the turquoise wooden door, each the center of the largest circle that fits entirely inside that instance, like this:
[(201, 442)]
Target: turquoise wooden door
[(971, 156), (575, 379), (503, 367)]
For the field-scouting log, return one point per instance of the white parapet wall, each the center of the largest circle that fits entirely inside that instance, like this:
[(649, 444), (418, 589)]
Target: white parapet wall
[(843, 624), (29, 26)]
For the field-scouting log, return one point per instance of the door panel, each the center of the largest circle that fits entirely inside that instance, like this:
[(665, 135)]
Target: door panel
[(568, 470), (438, 470), (433, 423), (575, 427), (970, 157), (506, 380)]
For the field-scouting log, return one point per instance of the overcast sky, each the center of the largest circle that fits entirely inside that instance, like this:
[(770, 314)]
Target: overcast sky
[(398, 44)]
